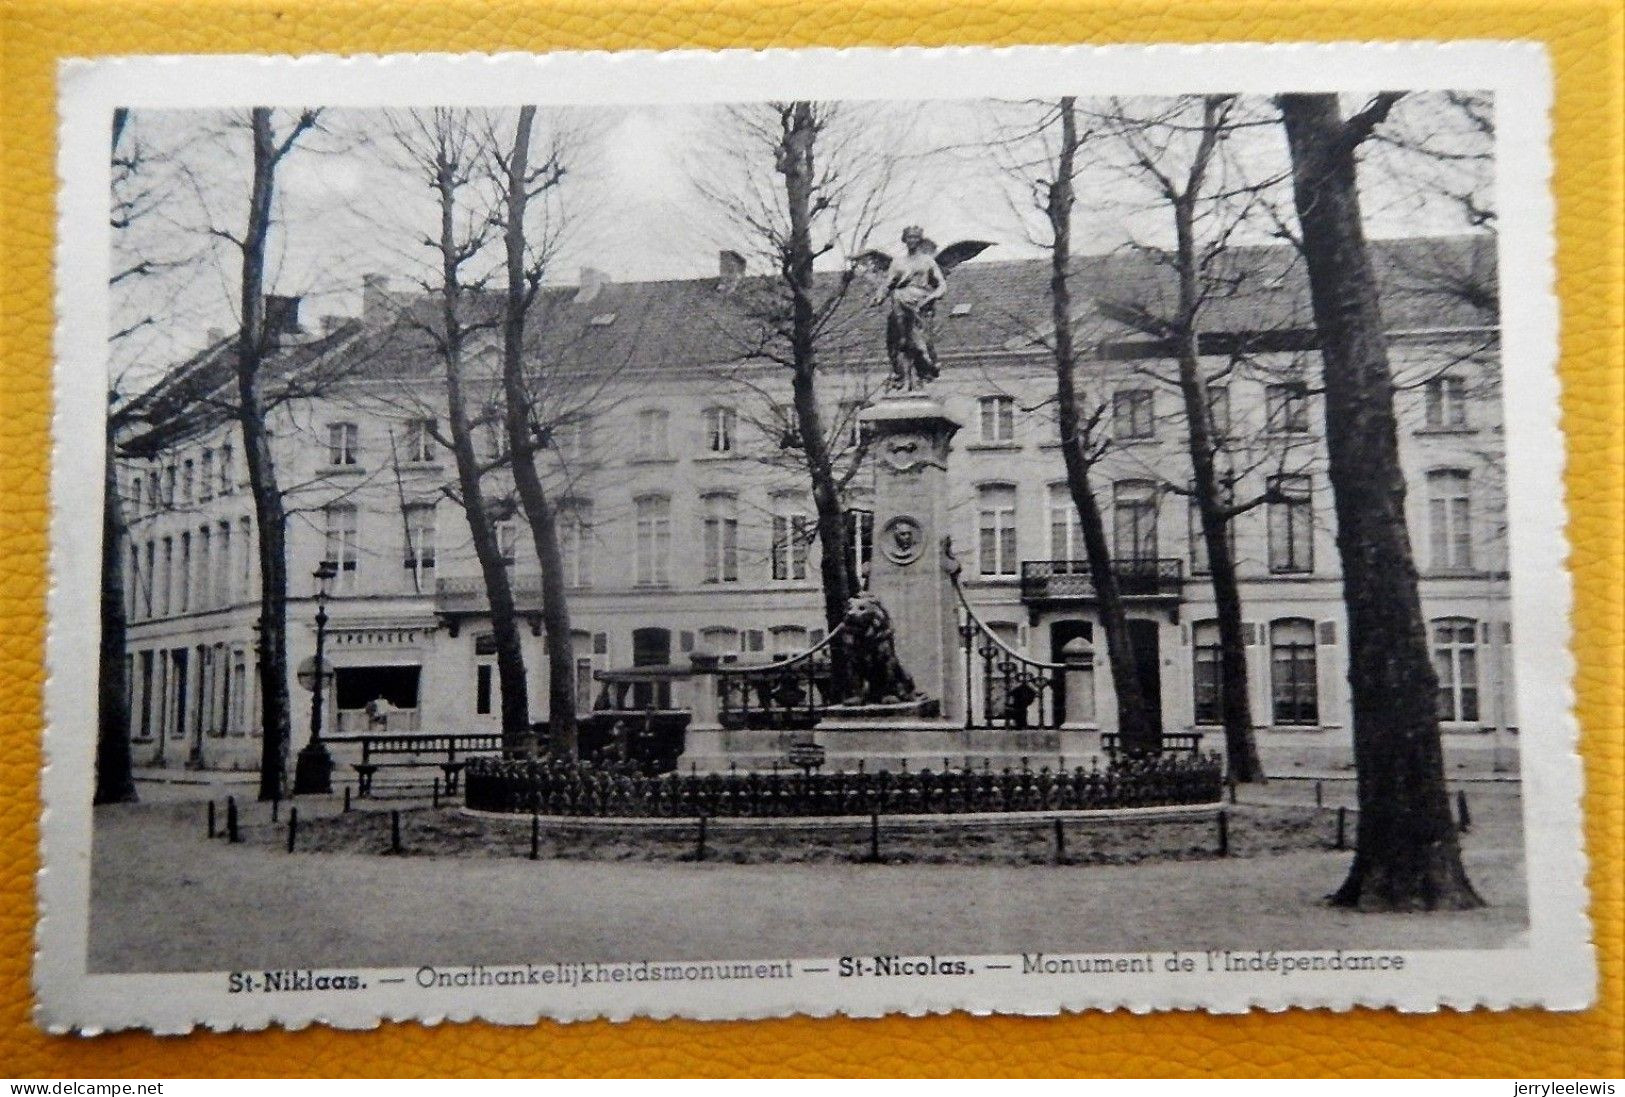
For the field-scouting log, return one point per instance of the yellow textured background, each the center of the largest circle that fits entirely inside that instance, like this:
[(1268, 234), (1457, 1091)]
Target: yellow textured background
[(1585, 43)]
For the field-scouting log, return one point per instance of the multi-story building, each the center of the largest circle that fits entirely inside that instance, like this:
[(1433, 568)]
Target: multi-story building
[(687, 524)]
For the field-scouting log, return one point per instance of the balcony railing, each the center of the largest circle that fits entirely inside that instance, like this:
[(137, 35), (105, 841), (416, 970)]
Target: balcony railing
[(1052, 580), (466, 593)]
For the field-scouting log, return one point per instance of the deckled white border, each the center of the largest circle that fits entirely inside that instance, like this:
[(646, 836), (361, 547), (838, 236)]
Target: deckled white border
[(1556, 970)]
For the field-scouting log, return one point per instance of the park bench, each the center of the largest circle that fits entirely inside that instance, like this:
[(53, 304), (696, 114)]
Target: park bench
[(447, 753), (1186, 742)]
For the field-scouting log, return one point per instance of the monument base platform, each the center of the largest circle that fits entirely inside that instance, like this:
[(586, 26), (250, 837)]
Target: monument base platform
[(888, 744)]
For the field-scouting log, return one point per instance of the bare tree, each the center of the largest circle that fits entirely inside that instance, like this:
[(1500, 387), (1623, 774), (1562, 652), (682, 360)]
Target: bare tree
[(1084, 441), (269, 150), (1173, 149), (526, 262), (832, 184), (448, 149), (1407, 856), (115, 777)]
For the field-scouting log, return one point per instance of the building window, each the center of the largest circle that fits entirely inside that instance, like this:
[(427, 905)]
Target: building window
[(653, 541), (228, 470), (1134, 520), (169, 485), (1293, 674), (1207, 673), (420, 545), (721, 539), (1132, 414), (996, 530), (147, 577), (226, 583), (789, 640), (420, 444), (575, 541), (1065, 528), (572, 439), (1286, 407), (188, 483), (852, 429), (342, 548), (1455, 661), (482, 689), (1291, 525), (653, 441), (1450, 512), (205, 568), (1447, 403), (1200, 563), (342, 443), (860, 543), (792, 533), (183, 585), (721, 427), (163, 577), (506, 531), (1218, 411), (998, 419), (155, 500), (206, 472), (245, 537)]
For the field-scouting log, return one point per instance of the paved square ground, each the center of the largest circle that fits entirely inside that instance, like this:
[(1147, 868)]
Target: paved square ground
[(166, 898)]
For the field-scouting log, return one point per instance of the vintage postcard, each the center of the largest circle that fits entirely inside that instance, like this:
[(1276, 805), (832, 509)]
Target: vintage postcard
[(727, 535)]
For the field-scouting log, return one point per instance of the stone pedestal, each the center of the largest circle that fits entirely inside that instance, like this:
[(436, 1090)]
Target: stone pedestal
[(911, 435)]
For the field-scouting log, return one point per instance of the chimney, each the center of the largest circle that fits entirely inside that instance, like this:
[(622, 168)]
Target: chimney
[(730, 269), (281, 317), (593, 281), (378, 302)]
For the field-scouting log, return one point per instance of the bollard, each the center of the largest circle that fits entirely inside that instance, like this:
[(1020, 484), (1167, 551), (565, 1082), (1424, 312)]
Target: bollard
[(699, 848), (293, 827), (346, 799), (394, 832), (1320, 800), (276, 808), (1224, 833), (1060, 842), (535, 836), (231, 820), (1342, 822), (211, 818), (436, 793), (1464, 818), (874, 837)]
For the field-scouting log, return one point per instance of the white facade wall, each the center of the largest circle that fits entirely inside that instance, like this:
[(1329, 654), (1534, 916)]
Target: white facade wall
[(381, 617)]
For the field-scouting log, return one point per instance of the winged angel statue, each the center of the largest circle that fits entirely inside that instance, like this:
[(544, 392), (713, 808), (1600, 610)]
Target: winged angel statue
[(912, 284)]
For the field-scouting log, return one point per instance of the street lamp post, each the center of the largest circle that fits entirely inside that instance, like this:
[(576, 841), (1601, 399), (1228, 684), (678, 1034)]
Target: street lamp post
[(314, 770)]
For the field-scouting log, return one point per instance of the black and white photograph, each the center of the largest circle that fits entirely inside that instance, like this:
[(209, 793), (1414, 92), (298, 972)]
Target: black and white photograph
[(727, 535)]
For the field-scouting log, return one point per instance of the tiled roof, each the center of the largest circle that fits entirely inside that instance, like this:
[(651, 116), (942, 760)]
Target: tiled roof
[(992, 306)]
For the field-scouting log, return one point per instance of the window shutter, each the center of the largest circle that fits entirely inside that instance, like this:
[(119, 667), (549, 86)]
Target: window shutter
[(1328, 633), (1185, 635), (685, 641), (1249, 633), (1484, 632)]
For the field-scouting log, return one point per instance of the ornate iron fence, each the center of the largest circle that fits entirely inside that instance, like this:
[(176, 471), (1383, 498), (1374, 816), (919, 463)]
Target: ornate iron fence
[(789, 693), (557, 788)]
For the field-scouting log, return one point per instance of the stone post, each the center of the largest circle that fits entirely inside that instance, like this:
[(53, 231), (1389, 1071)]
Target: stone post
[(911, 435)]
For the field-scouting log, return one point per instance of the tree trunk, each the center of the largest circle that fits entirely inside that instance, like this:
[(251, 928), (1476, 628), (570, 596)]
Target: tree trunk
[(1241, 747), (517, 737), (539, 510), (269, 516), (1136, 724), (795, 161), (115, 777), (1406, 853)]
